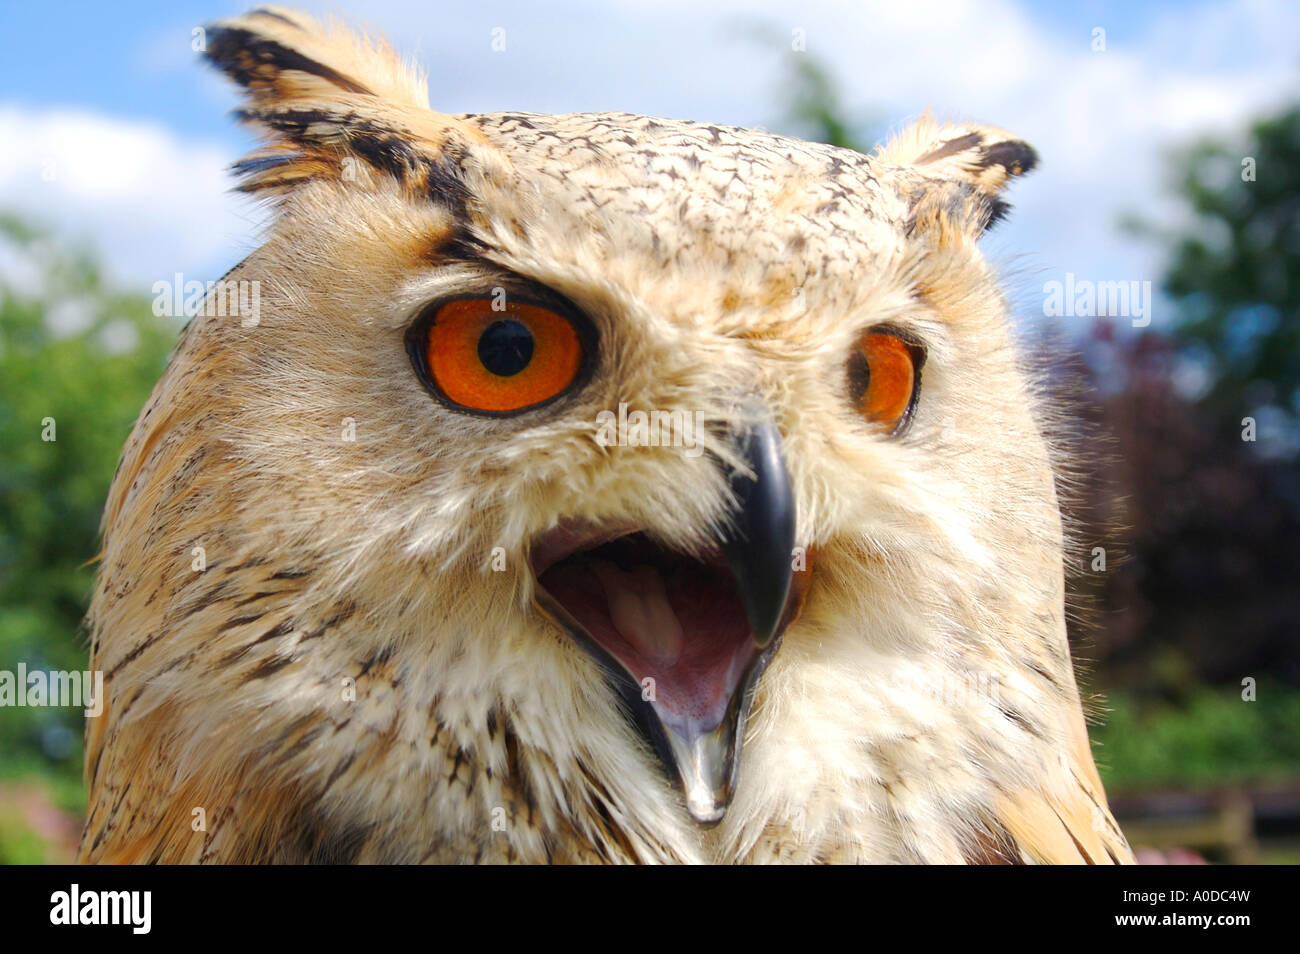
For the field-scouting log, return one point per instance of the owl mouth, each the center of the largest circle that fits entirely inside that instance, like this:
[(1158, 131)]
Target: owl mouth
[(684, 636), (676, 624)]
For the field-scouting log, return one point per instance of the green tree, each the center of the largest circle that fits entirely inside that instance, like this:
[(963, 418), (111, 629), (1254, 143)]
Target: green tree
[(1234, 270), (77, 361)]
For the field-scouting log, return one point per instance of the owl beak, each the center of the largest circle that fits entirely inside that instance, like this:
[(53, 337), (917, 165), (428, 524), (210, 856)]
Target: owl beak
[(685, 638), (760, 545), (759, 548)]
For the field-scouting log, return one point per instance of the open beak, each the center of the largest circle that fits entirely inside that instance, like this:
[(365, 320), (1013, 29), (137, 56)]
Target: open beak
[(685, 637)]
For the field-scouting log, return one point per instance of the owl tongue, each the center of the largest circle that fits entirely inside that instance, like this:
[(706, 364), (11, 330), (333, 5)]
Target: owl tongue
[(639, 610), (674, 623)]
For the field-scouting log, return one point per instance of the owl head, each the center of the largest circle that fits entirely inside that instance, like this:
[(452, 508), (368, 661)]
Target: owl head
[(637, 478)]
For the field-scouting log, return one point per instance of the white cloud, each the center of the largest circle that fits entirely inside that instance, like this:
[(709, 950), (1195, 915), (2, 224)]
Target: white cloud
[(147, 202)]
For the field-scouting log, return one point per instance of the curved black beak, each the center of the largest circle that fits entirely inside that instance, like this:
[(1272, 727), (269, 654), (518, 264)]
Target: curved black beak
[(759, 549), (760, 546)]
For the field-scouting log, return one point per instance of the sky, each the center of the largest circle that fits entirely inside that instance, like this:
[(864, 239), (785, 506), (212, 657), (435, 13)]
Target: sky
[(116, 137)]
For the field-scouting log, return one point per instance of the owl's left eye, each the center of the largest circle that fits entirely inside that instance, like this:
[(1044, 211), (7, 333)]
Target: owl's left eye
[(885, 377), (490, 356)]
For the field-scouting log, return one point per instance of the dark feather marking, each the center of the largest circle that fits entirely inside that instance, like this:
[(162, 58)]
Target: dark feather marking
[(248, 564), (134, 653), (522, 121), (1014, 156), (135, 697), (213, 595), (240, 621), (998, 209), (344, 612), (377, 658), (333, 845), (1019, 720), (283, 629), (250, 59), (461, 245), (308, 725), (385, 148), (272, 15), (290, 574), (1082, 851), (338, 771), (269, 667), (951, 147), (993, 846), (1110, 822), (515, 772), (456, 764), (256, 164), (953, 201), (959, 202), (1041, 671), (609, 827)]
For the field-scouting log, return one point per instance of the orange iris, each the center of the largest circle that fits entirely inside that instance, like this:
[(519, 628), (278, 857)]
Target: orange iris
[(503, 359), (882, 378)]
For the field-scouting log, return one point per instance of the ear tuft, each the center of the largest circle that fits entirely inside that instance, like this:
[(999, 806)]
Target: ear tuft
[(326, 99), (957, 159), (279, 54)]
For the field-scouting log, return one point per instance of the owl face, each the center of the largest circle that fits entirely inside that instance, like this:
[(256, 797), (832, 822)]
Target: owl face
[(682, 615), (632, 378), (675, 446)]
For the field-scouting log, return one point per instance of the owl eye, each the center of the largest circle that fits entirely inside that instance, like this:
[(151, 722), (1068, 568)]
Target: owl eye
[(492, 357), (885, 377)]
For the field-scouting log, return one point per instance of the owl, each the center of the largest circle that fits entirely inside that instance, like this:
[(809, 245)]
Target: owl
[(588, 488)]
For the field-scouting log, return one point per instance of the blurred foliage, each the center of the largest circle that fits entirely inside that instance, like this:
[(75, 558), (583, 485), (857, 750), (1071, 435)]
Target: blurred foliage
[(76, 352), (813, 102), (19, 843), (1212, 737), (40, 818), (1235, 269), (1207, 523), (1202, 535)]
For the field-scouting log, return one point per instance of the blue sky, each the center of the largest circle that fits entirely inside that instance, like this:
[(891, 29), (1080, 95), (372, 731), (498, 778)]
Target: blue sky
[(133, 59), (113, 134)]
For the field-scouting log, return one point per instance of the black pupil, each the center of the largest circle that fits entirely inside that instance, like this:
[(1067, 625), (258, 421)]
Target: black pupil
[(505, 347), (859, 376)]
